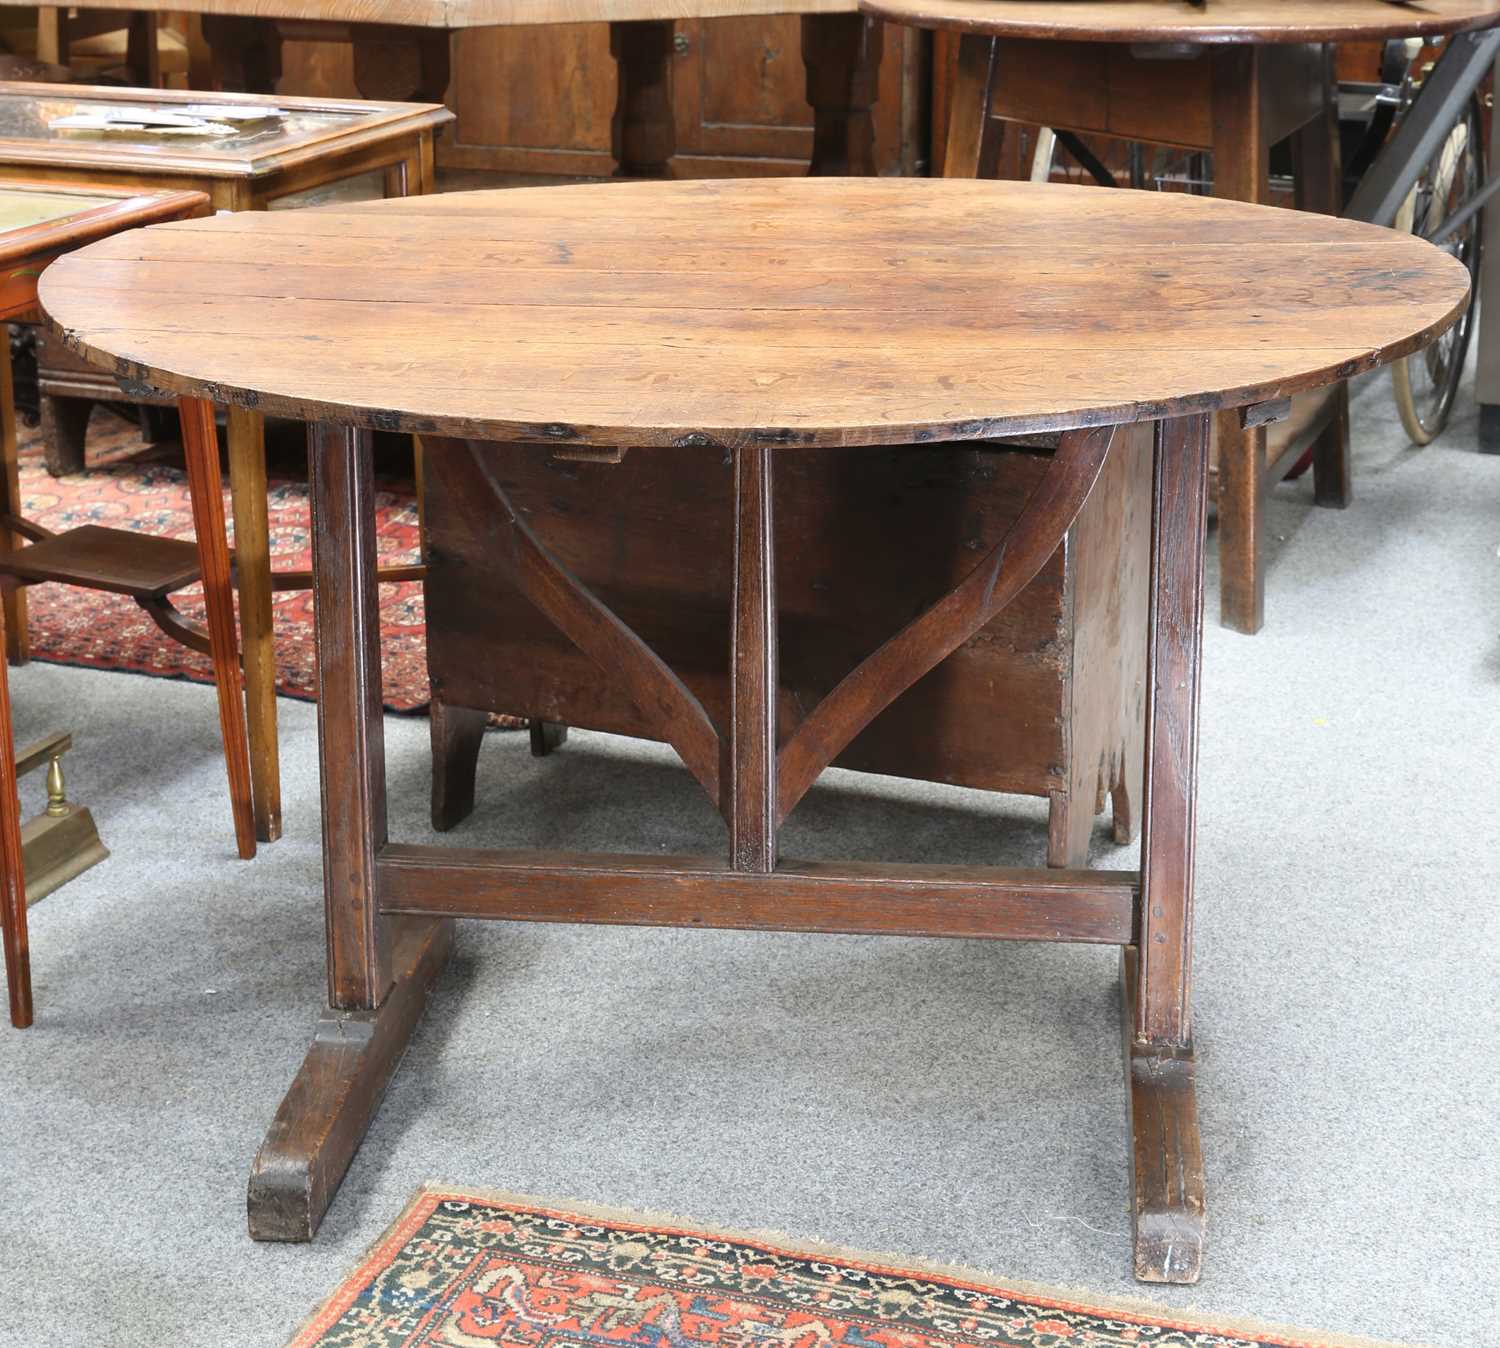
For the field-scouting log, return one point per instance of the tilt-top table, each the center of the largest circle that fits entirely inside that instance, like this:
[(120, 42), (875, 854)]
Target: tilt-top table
[(753, 320)]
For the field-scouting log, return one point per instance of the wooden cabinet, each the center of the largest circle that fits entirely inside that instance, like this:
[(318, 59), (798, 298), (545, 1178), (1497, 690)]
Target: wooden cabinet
[(539, 99)]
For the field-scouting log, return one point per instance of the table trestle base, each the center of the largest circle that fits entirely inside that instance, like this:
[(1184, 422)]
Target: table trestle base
[(323, 1118), (1166, 1169), (388, 904), (813, 896)]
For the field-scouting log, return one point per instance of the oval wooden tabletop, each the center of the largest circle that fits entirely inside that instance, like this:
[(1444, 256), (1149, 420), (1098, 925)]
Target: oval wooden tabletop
[(1185, 21), (776, 311)]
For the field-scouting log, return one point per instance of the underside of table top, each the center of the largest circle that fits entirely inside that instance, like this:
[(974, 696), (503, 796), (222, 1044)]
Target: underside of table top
[(776, 312), (1151, 21)]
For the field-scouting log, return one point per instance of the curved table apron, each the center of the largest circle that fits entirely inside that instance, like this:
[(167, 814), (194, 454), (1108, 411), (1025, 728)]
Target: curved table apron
[(753, 320)]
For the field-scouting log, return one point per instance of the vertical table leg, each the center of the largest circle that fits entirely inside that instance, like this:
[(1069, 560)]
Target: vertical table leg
[(1167, 1159), (971, 129), (200, 445), (17, 644), (643, 130), (379, 969), (12, 878), (1317, 164), (252, 551), (1487, 375), (749, 775), (1242, 166), (842, 55)]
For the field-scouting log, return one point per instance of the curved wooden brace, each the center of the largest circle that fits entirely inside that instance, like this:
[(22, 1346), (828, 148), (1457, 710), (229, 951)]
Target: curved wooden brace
[(643, 676), (170, 620), (927, 640)]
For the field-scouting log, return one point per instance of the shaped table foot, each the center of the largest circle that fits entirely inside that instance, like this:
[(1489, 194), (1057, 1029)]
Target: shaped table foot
[(334, 1096), (1166, 1172)]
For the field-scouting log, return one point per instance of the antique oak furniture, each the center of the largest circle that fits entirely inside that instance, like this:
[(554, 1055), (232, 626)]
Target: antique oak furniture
[(265, 163), (401, 52), (1232, 77), (755, 322), (38, 223)]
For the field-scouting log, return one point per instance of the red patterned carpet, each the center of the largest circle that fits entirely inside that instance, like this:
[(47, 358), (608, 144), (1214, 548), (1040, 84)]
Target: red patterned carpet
[(462, 1268), (129, 486)]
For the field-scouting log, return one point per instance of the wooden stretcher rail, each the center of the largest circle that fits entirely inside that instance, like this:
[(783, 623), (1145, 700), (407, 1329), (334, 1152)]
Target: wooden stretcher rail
[(687, 891)]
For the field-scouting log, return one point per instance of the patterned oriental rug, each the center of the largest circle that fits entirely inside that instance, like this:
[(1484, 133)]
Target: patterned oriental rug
[(458, 1270), (129, 486)]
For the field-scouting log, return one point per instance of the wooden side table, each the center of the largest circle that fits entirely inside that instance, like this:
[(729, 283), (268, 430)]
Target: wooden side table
[(38, 224), (1231, 78), (320, 142), (757, 321)]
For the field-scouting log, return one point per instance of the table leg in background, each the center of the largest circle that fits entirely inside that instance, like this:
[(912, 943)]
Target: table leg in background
[(379, 968), (17, 645), (842, 55), (973, 135), (643, 130), (200, 445)]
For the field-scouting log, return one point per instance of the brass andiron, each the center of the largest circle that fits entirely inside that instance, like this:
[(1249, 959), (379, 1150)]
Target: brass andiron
[(62, 841)]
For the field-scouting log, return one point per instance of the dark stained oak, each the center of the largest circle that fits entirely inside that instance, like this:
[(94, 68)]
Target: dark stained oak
[(867, 543), (777, 312), (742, 322), (749, 804), (655, 690)]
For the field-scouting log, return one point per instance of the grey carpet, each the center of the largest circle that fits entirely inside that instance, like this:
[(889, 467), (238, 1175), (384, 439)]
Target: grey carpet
[(958, 1101)]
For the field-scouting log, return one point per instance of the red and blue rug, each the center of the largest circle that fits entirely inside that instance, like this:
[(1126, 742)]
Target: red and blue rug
[(460, 1270), (129, 485)]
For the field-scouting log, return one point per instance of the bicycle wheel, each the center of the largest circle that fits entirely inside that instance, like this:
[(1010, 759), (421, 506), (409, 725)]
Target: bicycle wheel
[(1426, 383)]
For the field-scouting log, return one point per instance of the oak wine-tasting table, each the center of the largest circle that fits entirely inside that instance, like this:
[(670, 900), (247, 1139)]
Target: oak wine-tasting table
[(753, 320)]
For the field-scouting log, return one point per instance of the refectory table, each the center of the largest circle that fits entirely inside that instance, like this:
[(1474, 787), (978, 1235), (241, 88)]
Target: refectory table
[(753, 320)]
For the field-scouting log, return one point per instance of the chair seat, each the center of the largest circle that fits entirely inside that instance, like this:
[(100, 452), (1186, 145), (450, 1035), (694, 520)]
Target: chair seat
[(139, 565)]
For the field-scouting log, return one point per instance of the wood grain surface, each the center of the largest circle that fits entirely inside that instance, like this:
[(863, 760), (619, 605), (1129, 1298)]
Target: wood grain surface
[(778, 312), (1190, 21)]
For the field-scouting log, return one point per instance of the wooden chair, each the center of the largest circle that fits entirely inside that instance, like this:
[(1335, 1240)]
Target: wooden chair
[(149, 570)]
